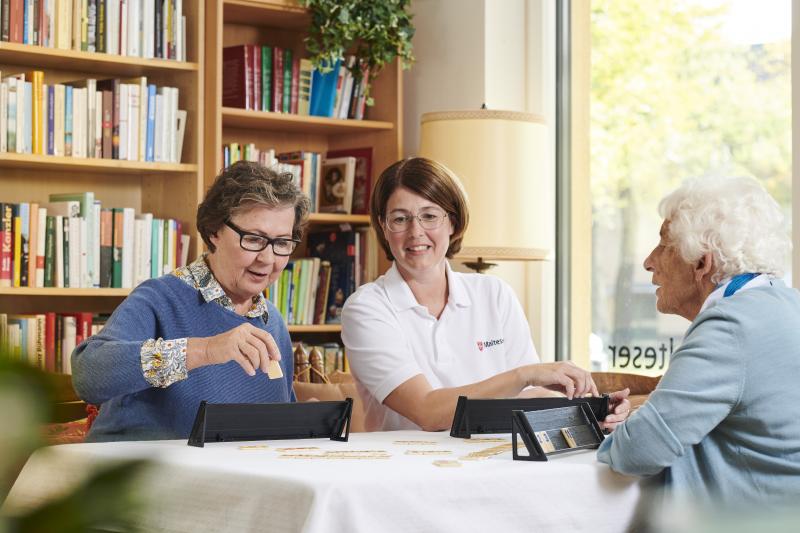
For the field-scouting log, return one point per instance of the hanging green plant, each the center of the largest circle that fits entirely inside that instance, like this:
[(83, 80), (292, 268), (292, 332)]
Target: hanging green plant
[(375, 31)]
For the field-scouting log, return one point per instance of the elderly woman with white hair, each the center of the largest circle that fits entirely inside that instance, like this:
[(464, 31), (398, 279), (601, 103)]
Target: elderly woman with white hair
[(722, 426)]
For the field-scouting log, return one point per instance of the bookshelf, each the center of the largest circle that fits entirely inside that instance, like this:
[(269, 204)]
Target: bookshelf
[(282, 23), (168, 190)]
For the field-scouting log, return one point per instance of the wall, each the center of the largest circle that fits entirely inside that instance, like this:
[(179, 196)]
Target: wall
[(500, 53)]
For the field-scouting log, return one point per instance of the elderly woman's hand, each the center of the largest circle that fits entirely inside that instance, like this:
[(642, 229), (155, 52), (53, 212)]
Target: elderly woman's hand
[(564, 377), (620, 409), (246, 344)]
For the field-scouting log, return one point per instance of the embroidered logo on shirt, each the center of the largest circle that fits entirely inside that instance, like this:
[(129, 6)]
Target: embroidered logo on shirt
[(489, 344)]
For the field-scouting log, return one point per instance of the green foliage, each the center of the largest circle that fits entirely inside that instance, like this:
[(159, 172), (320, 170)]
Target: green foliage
[(375, 31), (671, 98), (106, 500)]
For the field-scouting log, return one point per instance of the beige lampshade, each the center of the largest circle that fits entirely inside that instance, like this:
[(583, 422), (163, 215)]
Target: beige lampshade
[(500, 158)]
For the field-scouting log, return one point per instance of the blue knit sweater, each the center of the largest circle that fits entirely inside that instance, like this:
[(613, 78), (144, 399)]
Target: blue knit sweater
[(107, 367), (722, 423)]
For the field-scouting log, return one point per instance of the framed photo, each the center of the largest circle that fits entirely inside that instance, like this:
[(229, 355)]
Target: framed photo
[(335, 192)]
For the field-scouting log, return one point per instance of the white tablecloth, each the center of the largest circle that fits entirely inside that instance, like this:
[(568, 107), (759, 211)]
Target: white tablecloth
[(225, 488)]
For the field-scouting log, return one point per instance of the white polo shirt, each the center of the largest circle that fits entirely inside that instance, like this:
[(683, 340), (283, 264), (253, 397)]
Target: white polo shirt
[(390, 338)]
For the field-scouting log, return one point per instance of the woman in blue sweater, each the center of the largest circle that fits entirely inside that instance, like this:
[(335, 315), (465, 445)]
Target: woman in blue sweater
[(722, 425), (205, 331)]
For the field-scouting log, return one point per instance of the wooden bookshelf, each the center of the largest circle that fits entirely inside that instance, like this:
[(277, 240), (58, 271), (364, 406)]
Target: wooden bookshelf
[(89, 164), (282, 23), (168, 190), (44, 58), (269, 121)]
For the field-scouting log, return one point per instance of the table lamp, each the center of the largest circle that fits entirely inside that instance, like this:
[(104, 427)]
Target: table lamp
[(501, 159)]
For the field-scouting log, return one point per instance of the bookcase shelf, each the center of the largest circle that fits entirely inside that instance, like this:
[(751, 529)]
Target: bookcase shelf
[(266, 120), (52, 292), (74, 164), (274, 13), (332, 218), (110, 64), (317, 328)]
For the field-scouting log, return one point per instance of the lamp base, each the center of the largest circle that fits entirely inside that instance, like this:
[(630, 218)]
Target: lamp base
[(479, 266)]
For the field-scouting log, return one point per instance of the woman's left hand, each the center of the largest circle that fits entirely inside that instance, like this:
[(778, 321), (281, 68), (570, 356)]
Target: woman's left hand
[(619, 408)]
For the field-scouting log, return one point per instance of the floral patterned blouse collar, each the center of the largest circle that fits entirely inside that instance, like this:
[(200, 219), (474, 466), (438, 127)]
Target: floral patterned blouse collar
[(199, 276)]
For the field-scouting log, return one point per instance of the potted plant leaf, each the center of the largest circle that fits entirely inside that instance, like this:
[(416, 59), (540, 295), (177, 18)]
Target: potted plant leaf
[(374, 31)]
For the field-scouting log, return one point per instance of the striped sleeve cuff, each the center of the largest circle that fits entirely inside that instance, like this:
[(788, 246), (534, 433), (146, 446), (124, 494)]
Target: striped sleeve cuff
[(164, 361)]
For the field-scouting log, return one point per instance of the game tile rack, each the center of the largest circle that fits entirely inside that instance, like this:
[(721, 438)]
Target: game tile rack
[(480, 416), (220, 422), (553, 431)]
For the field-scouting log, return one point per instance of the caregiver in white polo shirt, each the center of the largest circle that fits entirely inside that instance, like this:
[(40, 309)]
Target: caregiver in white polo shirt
[(422, 335)]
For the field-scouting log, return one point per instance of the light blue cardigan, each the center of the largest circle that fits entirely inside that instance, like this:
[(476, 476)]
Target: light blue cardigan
[(725, 418)]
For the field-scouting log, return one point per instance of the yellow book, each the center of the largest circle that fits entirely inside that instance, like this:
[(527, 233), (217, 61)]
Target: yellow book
[(17, 249), (36, 78)]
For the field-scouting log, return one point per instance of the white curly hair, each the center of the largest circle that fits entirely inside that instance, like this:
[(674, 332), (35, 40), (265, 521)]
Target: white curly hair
[(734, 219)]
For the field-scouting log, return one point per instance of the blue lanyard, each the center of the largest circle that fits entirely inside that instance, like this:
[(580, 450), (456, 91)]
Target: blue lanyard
[(738, 282)]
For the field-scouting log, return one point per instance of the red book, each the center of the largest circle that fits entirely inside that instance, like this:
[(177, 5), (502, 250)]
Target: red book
[(50, 342), (6, 244), (237, 80), (295, 84), (83, 328), (16, 21), (255, 95), (277, 79)]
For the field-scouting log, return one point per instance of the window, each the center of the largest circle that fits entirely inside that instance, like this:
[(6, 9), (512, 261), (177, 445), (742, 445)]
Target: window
[(679, 88)]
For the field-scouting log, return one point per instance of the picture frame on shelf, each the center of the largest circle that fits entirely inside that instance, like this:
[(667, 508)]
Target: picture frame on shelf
[(335, 193)]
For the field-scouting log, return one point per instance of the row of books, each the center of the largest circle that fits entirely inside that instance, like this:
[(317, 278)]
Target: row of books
[(46, 340), (340, 182), (271, 78), (72, 241), (313, 290), (141, 28), (316, 363), (112, 119)]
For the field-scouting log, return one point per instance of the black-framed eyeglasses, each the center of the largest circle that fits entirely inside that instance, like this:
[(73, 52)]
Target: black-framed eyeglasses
[(253, 242), (400, 222)]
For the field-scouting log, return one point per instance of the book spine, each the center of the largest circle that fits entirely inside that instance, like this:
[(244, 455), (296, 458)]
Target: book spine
[(6, 244), (33, 236), (287, 81), (100, 38), (266, 78), (295, 86), (68, 120), (277, 79), (24, 237), (41, 248), (116, 268), (50, 251), (106, 247), (17, 253)]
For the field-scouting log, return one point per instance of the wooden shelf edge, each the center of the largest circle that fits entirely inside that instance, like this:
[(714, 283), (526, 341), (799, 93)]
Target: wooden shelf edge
[(244, 118), (58, 58), (316, 328), (333, 218), (51, 162), (284, 14), (62, 292)]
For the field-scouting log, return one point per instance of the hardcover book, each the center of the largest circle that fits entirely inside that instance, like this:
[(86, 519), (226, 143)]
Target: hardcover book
[(338, 248)]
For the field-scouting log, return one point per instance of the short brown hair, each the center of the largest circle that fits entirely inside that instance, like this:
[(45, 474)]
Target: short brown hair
[(429, 179), (244, 185)]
